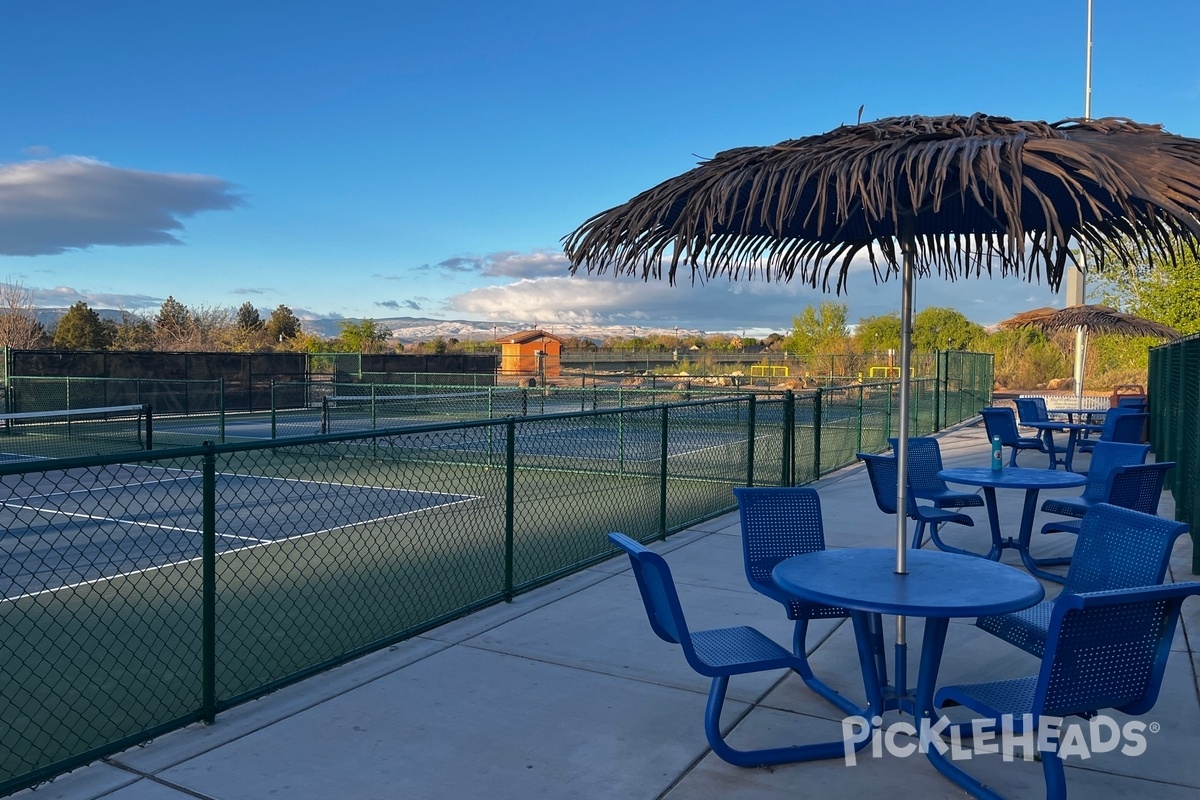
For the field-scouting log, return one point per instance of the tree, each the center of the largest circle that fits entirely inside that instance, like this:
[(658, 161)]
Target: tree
[(819, 329), (937, 328), (283, 324), (368, 336), (1161, 290), (19, 326), (877, 334), (133, 332), (172, 324), (248, 318), (82, 329)]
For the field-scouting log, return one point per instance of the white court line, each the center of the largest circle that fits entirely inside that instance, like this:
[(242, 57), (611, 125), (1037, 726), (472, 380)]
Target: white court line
[(134, 486), (132, 522), (260, 543)]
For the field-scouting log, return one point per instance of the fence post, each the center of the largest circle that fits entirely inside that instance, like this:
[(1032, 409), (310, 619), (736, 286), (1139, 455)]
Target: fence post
[(750, 415), (221, 413), (938, 376), (208, 569), (789, 438), (662, 487), (858, 440), (817, 414), (510, 476)]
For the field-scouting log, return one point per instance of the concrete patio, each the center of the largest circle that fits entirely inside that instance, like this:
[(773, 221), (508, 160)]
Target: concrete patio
[(567, 693)]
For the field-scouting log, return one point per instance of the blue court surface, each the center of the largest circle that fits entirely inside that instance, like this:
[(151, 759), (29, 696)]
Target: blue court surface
[(73, 527)]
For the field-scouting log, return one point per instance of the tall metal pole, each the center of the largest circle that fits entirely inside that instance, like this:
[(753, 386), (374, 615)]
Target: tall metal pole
[(1076, 282)]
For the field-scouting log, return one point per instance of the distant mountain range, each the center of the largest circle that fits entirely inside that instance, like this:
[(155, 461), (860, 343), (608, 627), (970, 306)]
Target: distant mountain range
[(423, 329)]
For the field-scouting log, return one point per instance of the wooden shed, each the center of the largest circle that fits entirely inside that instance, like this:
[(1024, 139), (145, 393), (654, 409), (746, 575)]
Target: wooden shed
[(533, 353)]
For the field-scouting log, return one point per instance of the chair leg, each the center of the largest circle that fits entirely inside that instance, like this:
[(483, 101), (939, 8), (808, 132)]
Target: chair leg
[(947, 548), (1012, 460), (765, 757), (815, 684), (919, 534), (1056, 779)]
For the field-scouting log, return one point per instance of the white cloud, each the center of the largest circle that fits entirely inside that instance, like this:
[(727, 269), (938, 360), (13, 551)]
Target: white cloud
[(727, 305), (62, 296), (49, 207)]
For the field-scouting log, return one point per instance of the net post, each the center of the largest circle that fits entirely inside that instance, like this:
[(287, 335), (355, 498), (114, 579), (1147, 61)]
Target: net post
[(221, 412), (148, 410), (273, 408), (325, 414), (209, 591)]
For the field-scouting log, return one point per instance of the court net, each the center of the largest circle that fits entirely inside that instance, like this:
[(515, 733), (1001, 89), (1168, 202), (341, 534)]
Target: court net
[(75, 432), (347, 413)]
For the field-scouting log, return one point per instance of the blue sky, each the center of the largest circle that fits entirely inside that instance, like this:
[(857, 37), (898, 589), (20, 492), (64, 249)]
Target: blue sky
[(377, 159)]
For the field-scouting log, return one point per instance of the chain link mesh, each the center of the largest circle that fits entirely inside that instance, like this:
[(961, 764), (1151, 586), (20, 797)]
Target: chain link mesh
[(320, 548)]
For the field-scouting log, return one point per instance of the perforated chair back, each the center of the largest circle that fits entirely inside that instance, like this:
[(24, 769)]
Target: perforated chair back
[(1032, 409), (1106, 457), (778, 523), (1000, 422), (924, 463), (1138, 486), (1120, 548), (658, 592), (1108, 649), (1127, 427), (883, 474)]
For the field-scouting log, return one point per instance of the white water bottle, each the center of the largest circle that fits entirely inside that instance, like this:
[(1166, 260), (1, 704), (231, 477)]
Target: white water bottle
[(997, 454)]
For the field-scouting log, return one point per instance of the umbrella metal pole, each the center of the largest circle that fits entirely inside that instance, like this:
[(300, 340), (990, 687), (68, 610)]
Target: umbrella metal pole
[(906, 303)]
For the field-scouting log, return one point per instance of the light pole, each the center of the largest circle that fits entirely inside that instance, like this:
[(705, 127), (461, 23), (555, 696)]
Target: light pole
[(1076, 284)]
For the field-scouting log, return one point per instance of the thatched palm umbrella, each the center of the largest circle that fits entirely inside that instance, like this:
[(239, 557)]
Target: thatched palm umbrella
[(1089, 319), (956, 195)]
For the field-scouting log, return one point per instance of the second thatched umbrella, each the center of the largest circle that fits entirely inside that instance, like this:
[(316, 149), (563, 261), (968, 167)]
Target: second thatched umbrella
[(1089, 319), (957, 195)]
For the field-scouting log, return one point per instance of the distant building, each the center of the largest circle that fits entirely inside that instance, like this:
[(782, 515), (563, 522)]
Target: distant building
[(531, 353)]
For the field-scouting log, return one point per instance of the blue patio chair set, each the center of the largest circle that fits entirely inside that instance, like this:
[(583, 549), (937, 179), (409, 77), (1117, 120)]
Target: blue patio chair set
[(1103, 642)]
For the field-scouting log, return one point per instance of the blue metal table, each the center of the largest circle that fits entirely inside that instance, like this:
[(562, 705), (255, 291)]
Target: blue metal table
[(938, 586), (1073, 430), (1032, 481)]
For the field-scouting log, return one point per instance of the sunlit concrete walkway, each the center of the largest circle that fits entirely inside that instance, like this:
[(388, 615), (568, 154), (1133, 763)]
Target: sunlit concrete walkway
[(566, 693)]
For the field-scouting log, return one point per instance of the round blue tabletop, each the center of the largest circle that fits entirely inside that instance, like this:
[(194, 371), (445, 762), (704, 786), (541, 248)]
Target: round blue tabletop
[(938, 584), (1013, 477)]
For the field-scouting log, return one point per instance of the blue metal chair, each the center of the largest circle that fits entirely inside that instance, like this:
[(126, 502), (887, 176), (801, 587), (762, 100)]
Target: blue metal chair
[(1105, 458), (1033, 409), (1029, 410), (1105, 649), (1136, 486), (778, 523), (1121, 424), (924, 464), (883, 474), (1002, 422), (1117, 549), (717, 654)]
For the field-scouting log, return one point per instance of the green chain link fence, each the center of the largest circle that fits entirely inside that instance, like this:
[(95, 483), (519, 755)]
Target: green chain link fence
[(146, 591), (1174, 386)]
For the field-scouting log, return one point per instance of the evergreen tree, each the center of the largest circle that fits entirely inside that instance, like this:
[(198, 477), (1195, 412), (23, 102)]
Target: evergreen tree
[(248, 318), (81, 329), (283, 324)]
